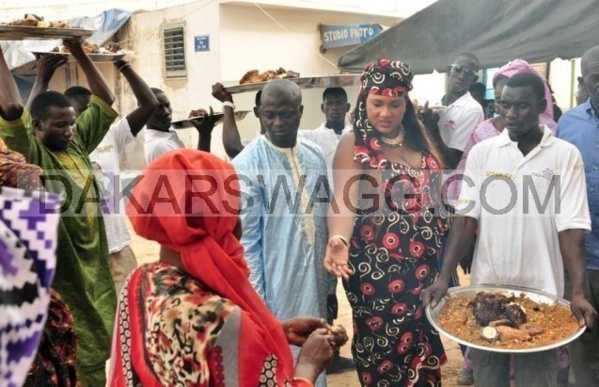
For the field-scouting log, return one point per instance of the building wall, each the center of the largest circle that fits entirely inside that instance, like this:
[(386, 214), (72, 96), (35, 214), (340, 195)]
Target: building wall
[(242, 37)]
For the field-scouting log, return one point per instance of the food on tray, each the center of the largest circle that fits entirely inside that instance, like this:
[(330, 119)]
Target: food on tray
[(254, 76), (91, 48), (32, 20), (197, 113), (506, 321), (340, 336)]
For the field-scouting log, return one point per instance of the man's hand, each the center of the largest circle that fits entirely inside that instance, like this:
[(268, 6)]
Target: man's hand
[(583, 310), (430, 119), (73, 44), (297, 329), (219, 92), (466, 261), (434, 293), (337, 258), (205, 124), (47, 64)]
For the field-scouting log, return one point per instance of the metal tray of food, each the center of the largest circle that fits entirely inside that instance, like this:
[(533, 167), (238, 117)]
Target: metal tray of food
[(535, 295), (186, 123), (95, 57), (15, 32), (341, 80)]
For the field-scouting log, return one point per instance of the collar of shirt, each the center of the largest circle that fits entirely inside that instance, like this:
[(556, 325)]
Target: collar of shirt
[(588, 107), (462, 101), (504, 137), (323, 127), (279, 149)]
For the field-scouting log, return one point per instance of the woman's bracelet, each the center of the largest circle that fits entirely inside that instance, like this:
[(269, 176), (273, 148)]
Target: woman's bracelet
[(341, 238)]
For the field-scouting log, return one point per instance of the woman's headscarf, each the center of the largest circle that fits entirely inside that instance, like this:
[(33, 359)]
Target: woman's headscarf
[(386, 78), (521, 66), (196, 217)]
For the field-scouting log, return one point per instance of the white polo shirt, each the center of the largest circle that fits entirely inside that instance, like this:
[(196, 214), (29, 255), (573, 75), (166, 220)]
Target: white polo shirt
[(522, 203), (327, 140), (457, 122), (158, 143)]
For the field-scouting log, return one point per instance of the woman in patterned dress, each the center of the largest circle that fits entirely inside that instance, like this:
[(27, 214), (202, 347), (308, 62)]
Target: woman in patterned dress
[(193, 318), (387, 249)]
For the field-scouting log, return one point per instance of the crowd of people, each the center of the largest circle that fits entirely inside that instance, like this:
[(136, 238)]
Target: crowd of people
[(243, 290)]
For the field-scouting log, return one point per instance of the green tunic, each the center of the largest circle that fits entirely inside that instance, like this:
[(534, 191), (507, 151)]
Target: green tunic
[(82, 273)]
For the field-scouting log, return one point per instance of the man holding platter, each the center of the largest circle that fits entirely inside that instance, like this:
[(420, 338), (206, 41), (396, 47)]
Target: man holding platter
[(525, 191)]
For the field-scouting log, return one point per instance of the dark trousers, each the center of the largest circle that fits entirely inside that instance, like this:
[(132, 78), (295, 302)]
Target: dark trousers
[(537, 369), (584, 351)]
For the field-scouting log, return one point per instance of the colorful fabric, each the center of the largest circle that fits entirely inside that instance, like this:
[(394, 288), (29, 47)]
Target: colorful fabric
[(82, 272), (521, 66), (55, 364), (212, 258), (28, 233), (15, 171), (387, 78), (393, 254)]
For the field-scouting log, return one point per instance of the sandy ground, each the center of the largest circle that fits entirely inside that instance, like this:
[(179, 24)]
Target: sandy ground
[(147, 251)]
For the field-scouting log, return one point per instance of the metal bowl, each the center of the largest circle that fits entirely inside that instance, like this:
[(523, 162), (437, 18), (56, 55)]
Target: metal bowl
[(470, 291)]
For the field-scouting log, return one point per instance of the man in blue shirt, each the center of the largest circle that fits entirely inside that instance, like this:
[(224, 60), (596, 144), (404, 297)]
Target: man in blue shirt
[(580, 126)]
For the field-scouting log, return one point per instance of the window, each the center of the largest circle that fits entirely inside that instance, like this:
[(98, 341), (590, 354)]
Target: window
[(173, 36)]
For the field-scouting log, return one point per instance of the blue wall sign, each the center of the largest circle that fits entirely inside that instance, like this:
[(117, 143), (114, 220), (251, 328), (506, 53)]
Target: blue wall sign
[(201, 43), (347, 34)]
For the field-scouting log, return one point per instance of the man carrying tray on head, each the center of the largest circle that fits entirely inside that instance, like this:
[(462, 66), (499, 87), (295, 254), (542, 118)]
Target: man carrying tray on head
[(525, 191), (51, 137)]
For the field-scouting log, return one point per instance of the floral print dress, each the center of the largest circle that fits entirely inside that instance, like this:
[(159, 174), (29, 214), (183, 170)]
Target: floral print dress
[(393, 255)]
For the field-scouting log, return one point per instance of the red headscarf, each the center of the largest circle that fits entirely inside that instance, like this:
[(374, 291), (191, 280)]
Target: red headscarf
[(188, 201)]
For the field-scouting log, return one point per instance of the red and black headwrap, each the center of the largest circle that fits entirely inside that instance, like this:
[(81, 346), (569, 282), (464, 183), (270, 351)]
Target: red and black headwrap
[(384, 77)]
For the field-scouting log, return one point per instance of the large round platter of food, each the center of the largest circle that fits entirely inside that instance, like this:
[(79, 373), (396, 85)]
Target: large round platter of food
[(107, 53), (35, 27), (254, 80), (507, 319)]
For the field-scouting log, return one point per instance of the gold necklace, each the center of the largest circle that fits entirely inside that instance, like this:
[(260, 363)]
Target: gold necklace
[(395, 142)]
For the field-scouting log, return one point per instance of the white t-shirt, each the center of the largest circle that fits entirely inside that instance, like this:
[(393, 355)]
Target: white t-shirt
[(327, 140), (457, 122), (105, 163), (519, 217), (158, 143)]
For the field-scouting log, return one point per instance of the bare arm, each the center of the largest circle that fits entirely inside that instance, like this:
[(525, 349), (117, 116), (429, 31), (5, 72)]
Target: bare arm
[(231, 138), (340, 220), (11, 106), (571, 244), (204, 126), (461, 236), (45, 68), (146, 100), (95, 79)]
